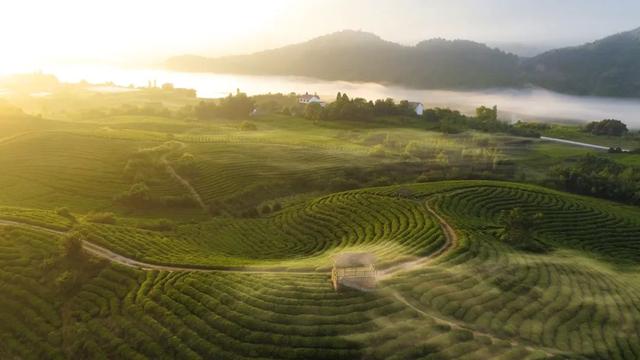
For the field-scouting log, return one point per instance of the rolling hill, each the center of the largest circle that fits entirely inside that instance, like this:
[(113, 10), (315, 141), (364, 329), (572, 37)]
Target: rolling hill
[(607, 67), (348, 55)]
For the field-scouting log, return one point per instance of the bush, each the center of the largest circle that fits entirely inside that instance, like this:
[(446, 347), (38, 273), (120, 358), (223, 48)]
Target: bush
[(181, 201), (266, 209), (461, 335), (138, 196), (158, 225), (64, 212), (100, 218), (73, 246), (65, 282), (248, 126), (377, 151), (609, 127)]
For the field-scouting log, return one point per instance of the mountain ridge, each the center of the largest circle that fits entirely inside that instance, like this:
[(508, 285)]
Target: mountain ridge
[(605, 67)]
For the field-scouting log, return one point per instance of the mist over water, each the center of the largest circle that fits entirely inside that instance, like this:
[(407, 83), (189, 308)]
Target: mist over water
[(514, 104)]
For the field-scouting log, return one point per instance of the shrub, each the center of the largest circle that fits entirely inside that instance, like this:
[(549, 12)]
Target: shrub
[(64, 212), (65, 282), (266, 209), (138, 196), (248, 126), (276, 207), (377, 151), (73, 246), (461, 335), (609, 127), (181, 201), (158, 225), (100, 218), (187, 165)]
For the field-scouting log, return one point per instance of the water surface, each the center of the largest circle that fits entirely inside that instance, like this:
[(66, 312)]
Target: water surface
[(514, 104)]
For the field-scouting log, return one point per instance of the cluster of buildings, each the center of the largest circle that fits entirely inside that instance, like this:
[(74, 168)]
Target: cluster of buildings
[(307, 98)]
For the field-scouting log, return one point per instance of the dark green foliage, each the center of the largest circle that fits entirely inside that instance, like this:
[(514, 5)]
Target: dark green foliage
[(138, 196), (486, 114), (518, 227), (357, 109), (187, 165), (73, 243), (64, 212), (157, 225), (231, 107), (248, 126), (601, 177), (609, 127), (266, 209), (607, 67), (100, 218)]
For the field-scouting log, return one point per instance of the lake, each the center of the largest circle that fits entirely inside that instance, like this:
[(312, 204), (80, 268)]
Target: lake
[(514, 104)]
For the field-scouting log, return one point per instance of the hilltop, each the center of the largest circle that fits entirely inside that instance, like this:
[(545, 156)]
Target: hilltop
[(607, 67), (347, 55)]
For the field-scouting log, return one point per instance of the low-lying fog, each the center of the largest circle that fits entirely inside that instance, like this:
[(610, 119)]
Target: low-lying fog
[(529, 103)]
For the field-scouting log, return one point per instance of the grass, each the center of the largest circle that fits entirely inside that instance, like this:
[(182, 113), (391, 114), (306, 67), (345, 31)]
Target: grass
[(300, 236), (485, 299), (340, 187), (125, 313), (575, 133)]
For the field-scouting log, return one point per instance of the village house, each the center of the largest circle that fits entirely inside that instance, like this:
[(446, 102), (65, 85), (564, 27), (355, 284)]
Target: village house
[(418, 107), (308, 99)]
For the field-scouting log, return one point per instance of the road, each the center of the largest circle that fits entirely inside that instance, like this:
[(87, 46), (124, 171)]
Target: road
[(577, 143)]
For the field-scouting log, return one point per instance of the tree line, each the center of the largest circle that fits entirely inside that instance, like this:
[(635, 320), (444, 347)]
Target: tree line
[(600, 177)]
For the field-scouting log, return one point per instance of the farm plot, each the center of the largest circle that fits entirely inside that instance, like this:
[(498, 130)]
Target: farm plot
[(130, 314), (300, 236)]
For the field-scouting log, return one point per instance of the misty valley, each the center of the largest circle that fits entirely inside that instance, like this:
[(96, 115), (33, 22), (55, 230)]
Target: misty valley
[(340, 197)]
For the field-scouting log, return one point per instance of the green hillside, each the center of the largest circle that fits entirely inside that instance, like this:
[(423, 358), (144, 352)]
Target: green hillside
[(480, 299), (131, 232)]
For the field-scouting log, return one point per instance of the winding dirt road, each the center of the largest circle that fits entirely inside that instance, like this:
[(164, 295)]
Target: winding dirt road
[(104, 253), (451, 241)]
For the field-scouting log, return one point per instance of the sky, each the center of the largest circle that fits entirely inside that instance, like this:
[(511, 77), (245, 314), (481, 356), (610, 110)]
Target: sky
[(34, 32)]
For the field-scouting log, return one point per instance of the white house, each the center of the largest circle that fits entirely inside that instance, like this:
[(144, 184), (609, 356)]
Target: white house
[(308, 99), (418, 107)]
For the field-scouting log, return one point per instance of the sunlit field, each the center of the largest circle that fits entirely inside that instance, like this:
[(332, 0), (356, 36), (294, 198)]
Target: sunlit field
[(320, 180)]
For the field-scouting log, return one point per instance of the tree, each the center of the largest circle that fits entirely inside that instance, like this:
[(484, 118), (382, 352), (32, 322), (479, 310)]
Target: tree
[(234, 107), (484, 113), (609, 127), (73, 244), (313, 111), (518, 227)]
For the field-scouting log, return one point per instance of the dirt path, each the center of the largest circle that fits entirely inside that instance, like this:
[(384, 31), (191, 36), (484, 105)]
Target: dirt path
[(462, 326), (104, 253), (451, 241), (107, 254), (184, 182)]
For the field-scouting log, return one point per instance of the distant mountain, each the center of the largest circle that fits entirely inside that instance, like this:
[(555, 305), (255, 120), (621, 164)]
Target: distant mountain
[(360, 56), (607, 67)]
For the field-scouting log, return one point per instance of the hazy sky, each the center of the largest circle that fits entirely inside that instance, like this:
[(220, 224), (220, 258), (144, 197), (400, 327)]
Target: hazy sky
[(34, 32)]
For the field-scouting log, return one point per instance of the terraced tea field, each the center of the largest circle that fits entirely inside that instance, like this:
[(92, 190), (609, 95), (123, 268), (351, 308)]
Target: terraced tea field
[(304, 235), (479, 299)]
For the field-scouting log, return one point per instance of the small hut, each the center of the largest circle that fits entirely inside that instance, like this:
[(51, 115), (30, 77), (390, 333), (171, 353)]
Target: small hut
[(355, 270)]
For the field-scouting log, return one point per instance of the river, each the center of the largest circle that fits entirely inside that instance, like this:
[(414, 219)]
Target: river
[(514, 104)]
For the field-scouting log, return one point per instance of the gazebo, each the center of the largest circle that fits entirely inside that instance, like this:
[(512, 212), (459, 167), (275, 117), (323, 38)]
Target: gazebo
[(355, 270)]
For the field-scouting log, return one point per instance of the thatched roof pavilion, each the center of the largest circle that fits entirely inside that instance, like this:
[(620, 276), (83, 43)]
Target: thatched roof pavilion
[(355, 270)]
